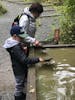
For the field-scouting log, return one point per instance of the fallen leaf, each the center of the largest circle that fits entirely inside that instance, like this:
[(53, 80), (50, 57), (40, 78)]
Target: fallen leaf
[(32, 90)]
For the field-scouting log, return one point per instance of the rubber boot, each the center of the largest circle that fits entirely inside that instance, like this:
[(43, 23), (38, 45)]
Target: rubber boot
[(21, 97)]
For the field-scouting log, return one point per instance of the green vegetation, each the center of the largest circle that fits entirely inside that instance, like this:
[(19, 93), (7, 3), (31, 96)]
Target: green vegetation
[(2, 10), (68, 22)]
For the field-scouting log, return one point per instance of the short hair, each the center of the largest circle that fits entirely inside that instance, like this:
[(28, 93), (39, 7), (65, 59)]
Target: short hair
[(36, 8)]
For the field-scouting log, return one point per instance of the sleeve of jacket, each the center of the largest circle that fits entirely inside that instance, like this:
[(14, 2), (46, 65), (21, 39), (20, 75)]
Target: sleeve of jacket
[(22, 58), (24, 23)]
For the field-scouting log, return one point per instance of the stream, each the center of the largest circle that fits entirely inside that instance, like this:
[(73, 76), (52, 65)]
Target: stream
[(56, 81)]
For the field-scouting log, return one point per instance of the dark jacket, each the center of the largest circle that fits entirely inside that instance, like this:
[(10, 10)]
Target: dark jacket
[(19, 56), (20, 60)]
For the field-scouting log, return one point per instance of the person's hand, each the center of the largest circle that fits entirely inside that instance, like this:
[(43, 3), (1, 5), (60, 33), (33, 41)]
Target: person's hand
[(36, 43), (41, 59)]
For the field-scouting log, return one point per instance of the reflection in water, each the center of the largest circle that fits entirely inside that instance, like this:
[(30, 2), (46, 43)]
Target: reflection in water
[(57, 83)]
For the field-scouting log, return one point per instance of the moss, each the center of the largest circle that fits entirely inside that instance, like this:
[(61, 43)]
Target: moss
[(2, 10)]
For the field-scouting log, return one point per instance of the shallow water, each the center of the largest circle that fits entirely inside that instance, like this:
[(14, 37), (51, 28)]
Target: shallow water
[(57, 81)]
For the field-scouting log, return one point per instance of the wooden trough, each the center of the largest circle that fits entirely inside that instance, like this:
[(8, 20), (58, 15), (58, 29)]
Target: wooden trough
[(31, 80)]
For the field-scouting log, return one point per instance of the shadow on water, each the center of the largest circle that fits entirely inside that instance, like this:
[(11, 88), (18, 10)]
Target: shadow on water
[(56, 81)]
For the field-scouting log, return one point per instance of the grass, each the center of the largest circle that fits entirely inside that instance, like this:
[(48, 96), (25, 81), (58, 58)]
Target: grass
[(2, 10)]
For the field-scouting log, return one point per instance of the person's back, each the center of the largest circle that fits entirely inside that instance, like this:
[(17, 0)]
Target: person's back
[(28, 24)]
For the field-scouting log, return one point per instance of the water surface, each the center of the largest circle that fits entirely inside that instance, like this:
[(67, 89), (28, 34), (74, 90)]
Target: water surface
[(57, 81)]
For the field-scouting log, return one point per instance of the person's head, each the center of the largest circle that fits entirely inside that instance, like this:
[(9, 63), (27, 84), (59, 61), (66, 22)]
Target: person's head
[(36, 9), (17, 33)]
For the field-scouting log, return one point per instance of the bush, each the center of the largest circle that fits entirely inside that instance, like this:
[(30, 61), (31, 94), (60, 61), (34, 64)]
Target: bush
[(68, 25), (68, 32), (2, 10)]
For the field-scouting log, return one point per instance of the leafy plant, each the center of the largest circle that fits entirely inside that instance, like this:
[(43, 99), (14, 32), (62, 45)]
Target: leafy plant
[(2, 10), (68, 22), (68, 32)]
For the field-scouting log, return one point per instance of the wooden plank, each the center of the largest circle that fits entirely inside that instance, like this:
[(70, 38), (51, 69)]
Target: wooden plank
[(52, 15), (31, 84), (31, 80), (55, 46), (59, 46)]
